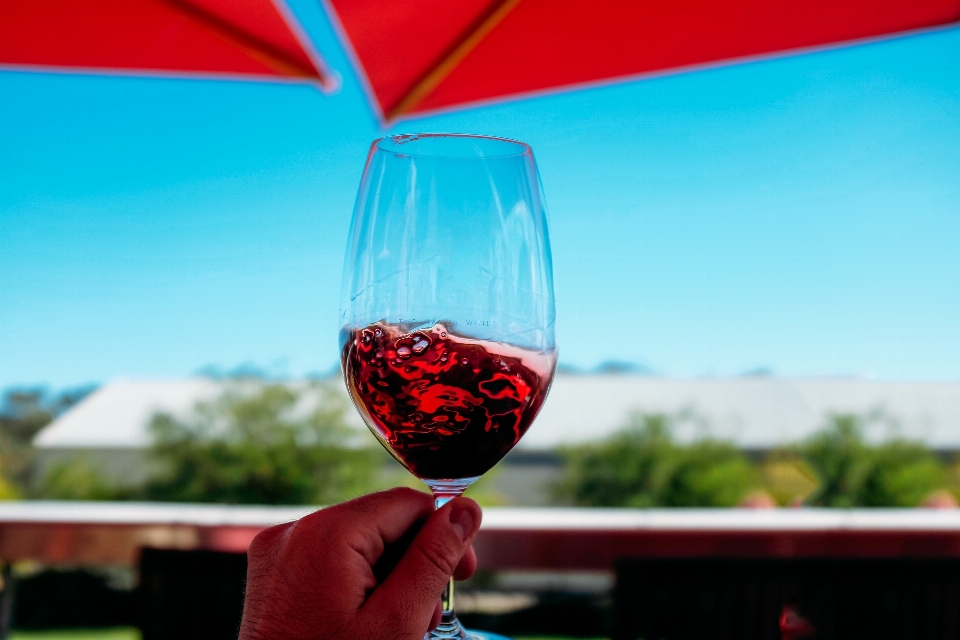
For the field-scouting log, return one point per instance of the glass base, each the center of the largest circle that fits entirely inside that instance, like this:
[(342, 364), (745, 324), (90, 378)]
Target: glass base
[(459, 633), (484, 635), (448, 630)]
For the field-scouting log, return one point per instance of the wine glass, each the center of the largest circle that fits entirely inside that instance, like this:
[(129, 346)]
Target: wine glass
[(447, 308)]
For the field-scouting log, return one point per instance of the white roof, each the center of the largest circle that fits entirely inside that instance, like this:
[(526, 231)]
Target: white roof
[(118, 414), (753, 412), (761, 412)]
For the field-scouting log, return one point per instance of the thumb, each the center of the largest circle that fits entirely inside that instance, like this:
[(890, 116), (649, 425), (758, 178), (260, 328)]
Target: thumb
[(410, 593)]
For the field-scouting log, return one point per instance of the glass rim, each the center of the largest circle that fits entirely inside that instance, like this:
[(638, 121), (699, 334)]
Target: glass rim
[(393, 145)]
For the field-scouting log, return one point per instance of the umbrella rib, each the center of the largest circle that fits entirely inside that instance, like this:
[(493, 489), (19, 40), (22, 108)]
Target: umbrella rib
[(261, 50), (452, 56)]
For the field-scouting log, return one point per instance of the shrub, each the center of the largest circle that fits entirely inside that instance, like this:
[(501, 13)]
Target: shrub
[(853, 473), (642, 466), (76, 479), (255, 448)]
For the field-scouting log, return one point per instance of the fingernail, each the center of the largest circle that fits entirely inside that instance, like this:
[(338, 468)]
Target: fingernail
[(462, 521)]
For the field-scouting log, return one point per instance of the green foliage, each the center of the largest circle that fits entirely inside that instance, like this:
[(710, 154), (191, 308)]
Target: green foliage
[(23, 413), (276, 444), (77, 480), (787, 478), (22, 418), (853, 473), (642, 466), (261, 448), (78, 634)]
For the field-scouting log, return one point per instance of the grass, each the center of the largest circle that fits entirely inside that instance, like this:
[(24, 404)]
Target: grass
[(78, 634), (133, 634)]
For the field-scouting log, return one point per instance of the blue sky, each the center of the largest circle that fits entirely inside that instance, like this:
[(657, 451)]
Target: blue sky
[(799, 214)]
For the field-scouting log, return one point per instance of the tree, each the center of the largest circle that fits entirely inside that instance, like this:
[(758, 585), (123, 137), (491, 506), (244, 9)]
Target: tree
[(853, 473), (787, 478), (261, 448), (77, 479), (642, 466), (23, 413)]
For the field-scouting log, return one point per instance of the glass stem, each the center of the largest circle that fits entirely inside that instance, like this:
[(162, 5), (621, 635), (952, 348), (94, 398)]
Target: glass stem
[(446, 601), (449, 628)]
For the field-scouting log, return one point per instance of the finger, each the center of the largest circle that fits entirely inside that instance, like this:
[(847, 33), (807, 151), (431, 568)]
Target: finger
[(267, 544), (389, 513), (437, 616), (409, 595), (467, 566), (368, 523)]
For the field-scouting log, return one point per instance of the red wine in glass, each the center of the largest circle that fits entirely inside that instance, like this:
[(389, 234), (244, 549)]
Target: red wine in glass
[(445, 406)]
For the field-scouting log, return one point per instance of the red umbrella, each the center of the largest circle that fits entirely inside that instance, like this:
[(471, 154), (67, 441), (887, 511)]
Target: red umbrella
[(422, 55), (226, 38)]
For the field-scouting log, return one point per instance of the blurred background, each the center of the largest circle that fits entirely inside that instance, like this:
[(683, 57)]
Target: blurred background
[(754, 227)]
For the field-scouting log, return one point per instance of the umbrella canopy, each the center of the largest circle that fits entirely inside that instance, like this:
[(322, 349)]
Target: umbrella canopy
[(227, 38), (423, 55)]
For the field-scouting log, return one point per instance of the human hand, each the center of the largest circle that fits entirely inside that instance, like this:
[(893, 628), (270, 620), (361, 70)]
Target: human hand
[(328, 575)]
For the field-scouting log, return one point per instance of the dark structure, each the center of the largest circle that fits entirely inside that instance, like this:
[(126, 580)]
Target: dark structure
[(571, 615), (69, 599), (760, 599), (191, 595)]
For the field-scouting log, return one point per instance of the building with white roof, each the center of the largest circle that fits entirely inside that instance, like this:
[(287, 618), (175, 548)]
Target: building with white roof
[(111, 425), (755, 413), (118, 414)]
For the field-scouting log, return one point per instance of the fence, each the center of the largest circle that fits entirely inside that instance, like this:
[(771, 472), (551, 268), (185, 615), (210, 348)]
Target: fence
[(709, 564)]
